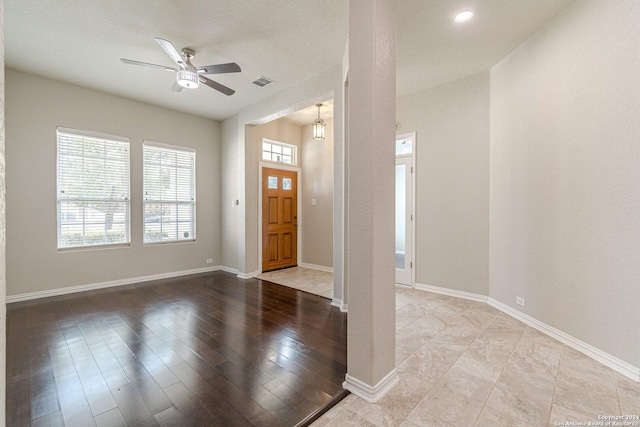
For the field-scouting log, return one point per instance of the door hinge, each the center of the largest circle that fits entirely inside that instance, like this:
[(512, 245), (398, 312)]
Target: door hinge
[(411, 264), (411, 169)]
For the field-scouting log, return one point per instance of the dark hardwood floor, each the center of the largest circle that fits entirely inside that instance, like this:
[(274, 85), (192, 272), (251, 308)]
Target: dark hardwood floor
[(202, 350)]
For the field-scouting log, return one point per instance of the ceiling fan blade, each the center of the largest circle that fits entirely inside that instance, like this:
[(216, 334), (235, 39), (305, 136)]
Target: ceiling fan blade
[(217, 86), (231, 67), (171, 51), (175, 87), (146, 64)]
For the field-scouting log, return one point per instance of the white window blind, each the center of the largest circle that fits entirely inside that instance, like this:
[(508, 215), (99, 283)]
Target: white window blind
[(169, 194), (92, 189)]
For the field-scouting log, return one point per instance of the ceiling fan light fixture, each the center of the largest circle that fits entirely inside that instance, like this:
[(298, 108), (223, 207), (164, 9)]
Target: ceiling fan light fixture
[(188, 79), (318, 126)]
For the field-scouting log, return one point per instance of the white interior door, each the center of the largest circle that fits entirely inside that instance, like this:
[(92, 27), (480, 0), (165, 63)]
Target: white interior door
[(404, 212)]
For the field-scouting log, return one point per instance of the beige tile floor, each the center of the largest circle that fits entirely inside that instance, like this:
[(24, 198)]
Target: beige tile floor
[(463, 363), (305, 279)]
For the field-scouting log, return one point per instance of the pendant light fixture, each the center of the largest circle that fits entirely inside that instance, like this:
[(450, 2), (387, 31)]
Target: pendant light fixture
[(318, 125)]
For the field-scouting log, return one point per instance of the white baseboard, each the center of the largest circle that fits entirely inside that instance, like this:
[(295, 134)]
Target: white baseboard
[(451, 292), (228, 269), (371, 393), (336, 302), (249, 275), (101, 285), (317, 267), (605, 358), (340, 304)]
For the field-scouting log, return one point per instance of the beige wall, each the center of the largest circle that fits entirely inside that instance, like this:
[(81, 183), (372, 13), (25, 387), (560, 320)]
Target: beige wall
[(317, 183), (565, 176), (229, 167), (35, 106), (451, 122)]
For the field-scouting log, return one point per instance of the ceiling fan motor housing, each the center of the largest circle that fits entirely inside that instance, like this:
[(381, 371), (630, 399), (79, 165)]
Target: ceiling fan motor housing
[(188, 53)]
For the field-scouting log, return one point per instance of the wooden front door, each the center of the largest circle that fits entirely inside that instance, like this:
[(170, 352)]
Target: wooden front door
[(279, 219)]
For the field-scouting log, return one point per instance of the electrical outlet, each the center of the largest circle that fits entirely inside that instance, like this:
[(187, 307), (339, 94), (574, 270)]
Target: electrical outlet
[(210, 261), (520, 301)]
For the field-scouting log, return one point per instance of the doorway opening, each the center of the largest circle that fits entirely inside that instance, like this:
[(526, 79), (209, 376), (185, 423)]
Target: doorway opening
[(405, 150), (283, 146)]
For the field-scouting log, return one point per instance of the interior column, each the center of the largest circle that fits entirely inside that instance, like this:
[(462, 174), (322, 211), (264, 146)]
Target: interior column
[(371, 198)]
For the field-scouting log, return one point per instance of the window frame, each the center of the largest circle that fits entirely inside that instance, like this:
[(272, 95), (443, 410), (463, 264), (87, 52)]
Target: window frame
[(126, 199), (145, 201), (293, 148)]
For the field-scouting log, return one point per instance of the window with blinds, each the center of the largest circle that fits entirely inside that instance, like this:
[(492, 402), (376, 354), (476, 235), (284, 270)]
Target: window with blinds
[(92, 189), (169, 193)]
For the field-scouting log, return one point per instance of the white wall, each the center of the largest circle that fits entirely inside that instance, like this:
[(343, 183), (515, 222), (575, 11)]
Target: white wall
[(565, 175), (451, 122), (35, 106), (317, 183), (370, 166)]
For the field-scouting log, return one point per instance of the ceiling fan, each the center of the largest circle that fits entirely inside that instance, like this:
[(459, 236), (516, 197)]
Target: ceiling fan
[(187, 75)]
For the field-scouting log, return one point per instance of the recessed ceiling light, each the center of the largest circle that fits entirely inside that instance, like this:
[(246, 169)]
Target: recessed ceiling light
[(464, 16)]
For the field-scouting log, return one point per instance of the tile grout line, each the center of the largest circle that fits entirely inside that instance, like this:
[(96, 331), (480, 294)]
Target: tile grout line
[(503, 369), (555, 385), (484, 405)]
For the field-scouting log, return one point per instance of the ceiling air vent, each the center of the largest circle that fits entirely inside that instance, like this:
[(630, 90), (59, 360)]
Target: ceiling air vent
[(262, 81)]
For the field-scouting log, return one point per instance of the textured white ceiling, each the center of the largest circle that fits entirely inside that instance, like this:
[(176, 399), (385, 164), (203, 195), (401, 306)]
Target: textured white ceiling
[(288, 41), (309, 114)]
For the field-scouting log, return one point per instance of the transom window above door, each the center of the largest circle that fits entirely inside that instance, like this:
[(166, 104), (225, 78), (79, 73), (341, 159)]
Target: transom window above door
[(404, 146), (278, 152)]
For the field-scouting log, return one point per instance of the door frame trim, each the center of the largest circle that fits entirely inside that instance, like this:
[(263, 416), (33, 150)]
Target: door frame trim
[(414, 175), (261, 166)]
